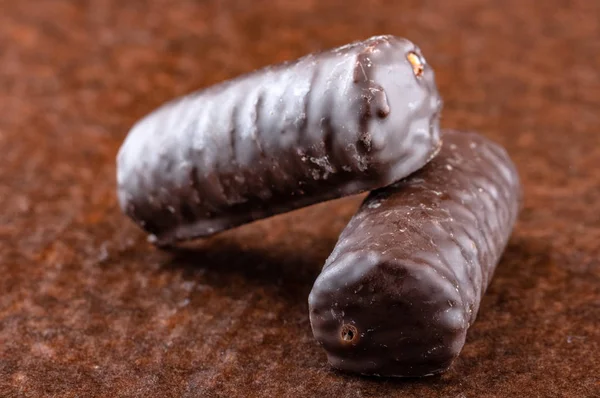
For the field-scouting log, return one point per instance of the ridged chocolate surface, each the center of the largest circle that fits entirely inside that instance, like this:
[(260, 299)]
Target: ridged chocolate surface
[(406, 278), (331, 124)]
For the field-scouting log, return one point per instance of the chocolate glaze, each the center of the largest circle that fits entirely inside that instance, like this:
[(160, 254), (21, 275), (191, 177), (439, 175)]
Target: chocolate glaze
[(404, 282), (327, 125)]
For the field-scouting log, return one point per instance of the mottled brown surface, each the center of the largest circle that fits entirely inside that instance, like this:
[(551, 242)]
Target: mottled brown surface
[(89, 309)]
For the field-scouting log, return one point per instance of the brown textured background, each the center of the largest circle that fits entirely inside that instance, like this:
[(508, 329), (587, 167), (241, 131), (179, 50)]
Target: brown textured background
[(89, 309)]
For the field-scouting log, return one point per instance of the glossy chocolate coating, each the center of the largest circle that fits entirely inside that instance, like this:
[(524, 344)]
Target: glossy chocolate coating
[(405, 280), (328, 125)]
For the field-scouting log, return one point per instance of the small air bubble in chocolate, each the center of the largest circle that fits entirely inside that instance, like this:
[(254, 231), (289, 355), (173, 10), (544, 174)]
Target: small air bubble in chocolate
[(349, 333)]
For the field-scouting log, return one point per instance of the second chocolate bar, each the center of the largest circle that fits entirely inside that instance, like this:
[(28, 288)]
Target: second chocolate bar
[(336, 123), (405, 280)]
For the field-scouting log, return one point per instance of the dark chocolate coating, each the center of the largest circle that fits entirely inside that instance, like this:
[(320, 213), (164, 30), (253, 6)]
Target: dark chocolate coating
[(328, 125), (404, 282)]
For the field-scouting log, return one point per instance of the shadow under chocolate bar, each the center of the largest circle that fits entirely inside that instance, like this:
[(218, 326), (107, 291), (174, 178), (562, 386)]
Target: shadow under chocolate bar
[(405, 280), (331, 124)]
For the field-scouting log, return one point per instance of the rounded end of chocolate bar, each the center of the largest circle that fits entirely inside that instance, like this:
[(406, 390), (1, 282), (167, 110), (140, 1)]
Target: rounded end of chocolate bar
[(376, 316), (409, 134)]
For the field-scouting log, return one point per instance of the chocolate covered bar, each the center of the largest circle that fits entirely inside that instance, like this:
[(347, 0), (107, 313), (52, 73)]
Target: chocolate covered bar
[(406, 277), (331, 124)]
